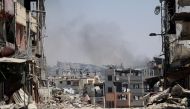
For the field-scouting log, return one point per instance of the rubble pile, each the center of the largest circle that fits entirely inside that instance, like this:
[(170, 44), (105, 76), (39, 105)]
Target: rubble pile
[(175, 97), (61, 100), (18, 100)]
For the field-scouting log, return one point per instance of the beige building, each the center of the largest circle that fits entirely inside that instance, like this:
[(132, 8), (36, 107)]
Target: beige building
[(77, 84)]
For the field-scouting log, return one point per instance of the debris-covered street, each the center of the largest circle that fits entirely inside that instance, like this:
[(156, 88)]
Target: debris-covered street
[(68, 54), (61, 100), (174, 97)]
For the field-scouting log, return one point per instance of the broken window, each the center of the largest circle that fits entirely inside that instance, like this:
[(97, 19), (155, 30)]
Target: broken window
[(110, 89), (136, 86), (136, 98), (124, 87), (33, 38), (152, 73), (75, 83), (118, 86), (109, 77), (147, 88), (27, 4), (122, 97), (119, 97), (21, 2), (68, 82), (10, 30)]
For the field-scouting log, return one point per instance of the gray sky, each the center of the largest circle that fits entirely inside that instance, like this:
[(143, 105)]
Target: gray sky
[(101, 31)]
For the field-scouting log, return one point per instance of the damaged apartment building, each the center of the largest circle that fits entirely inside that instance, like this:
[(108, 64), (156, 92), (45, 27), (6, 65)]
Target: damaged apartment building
[(74, 84), (123, 88), (22, 60), (176, 41), (153, 74), (175, 32)]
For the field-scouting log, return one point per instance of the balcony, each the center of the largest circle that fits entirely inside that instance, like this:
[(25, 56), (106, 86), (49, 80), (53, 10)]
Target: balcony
[(183, 16), (183, 32), (129, 78), (135, 78), (137, 91), (181, 51), (184, 2), (20, 14)]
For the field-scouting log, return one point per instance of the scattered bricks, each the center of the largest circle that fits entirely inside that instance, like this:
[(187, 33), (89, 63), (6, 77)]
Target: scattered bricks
[(177, 98)]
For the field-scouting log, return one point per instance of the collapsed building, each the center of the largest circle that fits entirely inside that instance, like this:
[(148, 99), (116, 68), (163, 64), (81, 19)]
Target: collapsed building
[(175, 17), (176, 40), (153, 74), (22, 59)]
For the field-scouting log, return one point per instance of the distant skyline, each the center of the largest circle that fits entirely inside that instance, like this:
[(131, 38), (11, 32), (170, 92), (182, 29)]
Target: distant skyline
[(101, 31)]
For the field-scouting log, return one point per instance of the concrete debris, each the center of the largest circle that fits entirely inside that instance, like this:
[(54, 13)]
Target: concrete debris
[(9, 106), (2, 103), (175, 97), (19, 100), (20, 97), (61, 100), (19, 106), (32, 105)]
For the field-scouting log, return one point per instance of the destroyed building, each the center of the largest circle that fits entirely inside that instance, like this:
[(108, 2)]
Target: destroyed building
[(123, 88), (99, 94), (176, 39), (22, 59), (153, 74), (175, 32), (75, 83)]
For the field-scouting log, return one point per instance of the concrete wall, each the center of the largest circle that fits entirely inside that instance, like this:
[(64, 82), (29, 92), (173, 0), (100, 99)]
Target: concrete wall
[(138, 92), (110, 72), (137, 103), (21, 39), (123, 102), (110, 96), (20, 14), (64, 84), (118, 102)]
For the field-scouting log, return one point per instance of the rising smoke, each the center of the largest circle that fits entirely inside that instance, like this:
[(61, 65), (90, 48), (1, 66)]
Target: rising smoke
[(97, 43), (103, 43)]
